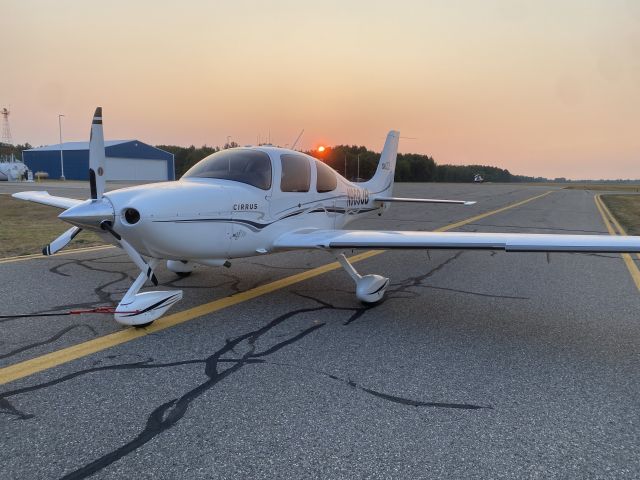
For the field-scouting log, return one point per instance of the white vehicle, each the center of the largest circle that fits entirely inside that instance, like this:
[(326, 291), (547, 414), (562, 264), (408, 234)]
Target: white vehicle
[(477, 178), (12, 170), (251, 201)]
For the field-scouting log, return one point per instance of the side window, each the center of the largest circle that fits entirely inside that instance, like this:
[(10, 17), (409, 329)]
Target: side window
[(296, 173), (327, 181)]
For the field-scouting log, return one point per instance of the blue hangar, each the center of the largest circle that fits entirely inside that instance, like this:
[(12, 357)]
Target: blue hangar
[(125, 160)]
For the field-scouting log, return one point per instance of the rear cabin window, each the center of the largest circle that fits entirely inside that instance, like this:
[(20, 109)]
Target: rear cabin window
[(244, 165), (296, 173), (327, 181)]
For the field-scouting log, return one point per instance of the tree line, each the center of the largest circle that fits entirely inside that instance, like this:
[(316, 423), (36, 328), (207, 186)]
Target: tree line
[(358, 163)]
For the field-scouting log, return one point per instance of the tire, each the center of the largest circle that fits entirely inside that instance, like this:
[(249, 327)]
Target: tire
[(183, 274), (144, 325)]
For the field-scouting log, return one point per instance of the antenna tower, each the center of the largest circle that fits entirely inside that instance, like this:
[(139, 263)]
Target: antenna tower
[(6, 129)]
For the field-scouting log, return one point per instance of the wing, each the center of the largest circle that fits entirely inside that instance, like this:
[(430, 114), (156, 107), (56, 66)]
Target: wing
[(45, 199), (422, 200), (510, 242)]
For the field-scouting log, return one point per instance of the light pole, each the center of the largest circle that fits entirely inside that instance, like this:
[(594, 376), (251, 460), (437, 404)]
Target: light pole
[(345, 165), (61, 156)]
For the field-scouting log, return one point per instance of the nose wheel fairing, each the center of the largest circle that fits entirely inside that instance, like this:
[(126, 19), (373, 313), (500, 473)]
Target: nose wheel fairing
[(139, 309)]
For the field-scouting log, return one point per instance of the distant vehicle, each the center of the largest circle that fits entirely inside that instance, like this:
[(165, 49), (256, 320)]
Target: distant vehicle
[(242, 202), (477, 178)]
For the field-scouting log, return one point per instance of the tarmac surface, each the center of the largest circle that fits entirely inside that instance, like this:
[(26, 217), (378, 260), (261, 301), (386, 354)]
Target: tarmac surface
[(477, 364)]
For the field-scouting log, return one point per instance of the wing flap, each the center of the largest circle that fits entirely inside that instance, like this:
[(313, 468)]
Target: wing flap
[(45, 199), (422, 200), (510, 242)]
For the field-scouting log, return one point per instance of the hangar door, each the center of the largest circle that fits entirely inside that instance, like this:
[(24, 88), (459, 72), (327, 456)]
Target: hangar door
[(135, 169)]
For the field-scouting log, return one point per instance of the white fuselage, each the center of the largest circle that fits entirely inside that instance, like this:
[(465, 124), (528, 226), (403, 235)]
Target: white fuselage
[(214, 219)]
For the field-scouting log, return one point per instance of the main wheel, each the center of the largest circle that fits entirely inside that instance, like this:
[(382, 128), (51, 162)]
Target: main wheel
[(183, 274)]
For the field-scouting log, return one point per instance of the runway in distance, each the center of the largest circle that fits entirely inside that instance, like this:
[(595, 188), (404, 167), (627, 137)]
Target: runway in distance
[(249, 201)]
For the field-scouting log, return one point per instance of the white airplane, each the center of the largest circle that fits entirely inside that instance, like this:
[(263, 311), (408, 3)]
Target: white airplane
[(251, 201)]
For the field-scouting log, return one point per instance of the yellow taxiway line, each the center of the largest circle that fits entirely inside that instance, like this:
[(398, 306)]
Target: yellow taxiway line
[(59, 357), (614, 228), (34, 256)]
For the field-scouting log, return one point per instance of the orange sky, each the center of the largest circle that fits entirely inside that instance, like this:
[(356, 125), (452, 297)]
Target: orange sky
[(547, 88)]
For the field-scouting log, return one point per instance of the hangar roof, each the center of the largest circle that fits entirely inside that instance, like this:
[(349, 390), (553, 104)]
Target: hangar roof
[(77, 145)]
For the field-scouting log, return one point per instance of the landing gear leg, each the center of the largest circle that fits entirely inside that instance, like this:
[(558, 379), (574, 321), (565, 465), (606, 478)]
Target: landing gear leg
[(141, 309), (369, 288)]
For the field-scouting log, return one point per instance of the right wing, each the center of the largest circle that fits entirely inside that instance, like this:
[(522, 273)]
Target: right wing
[(510, 242), (45, 199)]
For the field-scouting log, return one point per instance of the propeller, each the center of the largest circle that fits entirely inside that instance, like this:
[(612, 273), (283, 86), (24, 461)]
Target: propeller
[(97, 212), (62, 241), (96, 156)]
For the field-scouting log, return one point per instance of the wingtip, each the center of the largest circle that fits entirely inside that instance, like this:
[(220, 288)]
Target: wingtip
[(470, 203)]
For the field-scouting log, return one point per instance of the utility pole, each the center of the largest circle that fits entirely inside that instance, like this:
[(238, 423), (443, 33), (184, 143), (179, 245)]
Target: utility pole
[(345, 165), (358, 177), (61, 155)]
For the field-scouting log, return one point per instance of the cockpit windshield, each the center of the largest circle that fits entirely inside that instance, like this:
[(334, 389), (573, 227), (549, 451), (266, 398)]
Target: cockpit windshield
[(238, 164)]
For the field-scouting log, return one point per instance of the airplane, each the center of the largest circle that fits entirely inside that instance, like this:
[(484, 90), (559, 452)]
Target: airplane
[(249, 201)]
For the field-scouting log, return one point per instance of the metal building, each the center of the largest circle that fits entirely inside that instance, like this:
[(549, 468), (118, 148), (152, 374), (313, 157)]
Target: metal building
[(125, 160)]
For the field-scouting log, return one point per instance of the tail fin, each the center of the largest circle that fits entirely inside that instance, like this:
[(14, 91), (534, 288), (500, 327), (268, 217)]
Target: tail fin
[(382, 182)]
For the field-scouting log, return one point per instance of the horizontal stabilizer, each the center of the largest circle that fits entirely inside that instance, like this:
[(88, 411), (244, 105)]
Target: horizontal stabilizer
[(45, 199), (510, 242), (421, 200)]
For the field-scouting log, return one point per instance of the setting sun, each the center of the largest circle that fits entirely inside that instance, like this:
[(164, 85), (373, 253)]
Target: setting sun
[(321, 149)]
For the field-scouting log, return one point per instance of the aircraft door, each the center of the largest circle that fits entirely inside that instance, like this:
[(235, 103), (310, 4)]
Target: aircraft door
[(291, 186)]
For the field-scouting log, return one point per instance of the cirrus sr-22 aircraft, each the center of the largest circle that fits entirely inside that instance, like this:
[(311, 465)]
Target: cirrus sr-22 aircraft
[(251, 201)]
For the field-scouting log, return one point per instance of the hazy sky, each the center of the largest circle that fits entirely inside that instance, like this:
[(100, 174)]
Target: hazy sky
[(546, 88)]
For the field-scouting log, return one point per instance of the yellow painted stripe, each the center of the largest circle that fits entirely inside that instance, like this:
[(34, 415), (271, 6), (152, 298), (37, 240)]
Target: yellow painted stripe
[(49, 360), (59, 357), (612, 224), (34, 256), (614, 219), (487, 214)]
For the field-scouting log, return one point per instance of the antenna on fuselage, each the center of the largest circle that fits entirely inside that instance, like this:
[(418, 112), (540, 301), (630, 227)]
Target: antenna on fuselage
[(293, 147)]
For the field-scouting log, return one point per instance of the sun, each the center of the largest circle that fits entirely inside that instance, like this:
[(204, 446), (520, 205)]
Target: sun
[(321, 149)]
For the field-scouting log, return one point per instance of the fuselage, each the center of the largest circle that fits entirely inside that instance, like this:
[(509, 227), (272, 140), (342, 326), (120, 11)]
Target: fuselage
[(235, 203)]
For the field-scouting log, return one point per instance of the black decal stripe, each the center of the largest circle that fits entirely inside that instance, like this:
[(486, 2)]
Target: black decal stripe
[(92, 184), (155, 306), (382, 287), (259, 226)]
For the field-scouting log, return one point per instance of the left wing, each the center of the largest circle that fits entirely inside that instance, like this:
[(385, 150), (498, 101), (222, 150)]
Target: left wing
[(45, 199), (510, 242)]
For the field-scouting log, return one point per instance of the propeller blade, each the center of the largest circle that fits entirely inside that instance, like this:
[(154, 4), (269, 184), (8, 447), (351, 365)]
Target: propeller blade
[(96, 156), (61, 242), (133, 254)]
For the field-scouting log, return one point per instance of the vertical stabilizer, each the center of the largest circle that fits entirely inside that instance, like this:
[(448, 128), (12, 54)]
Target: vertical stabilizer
[(382, 182)]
